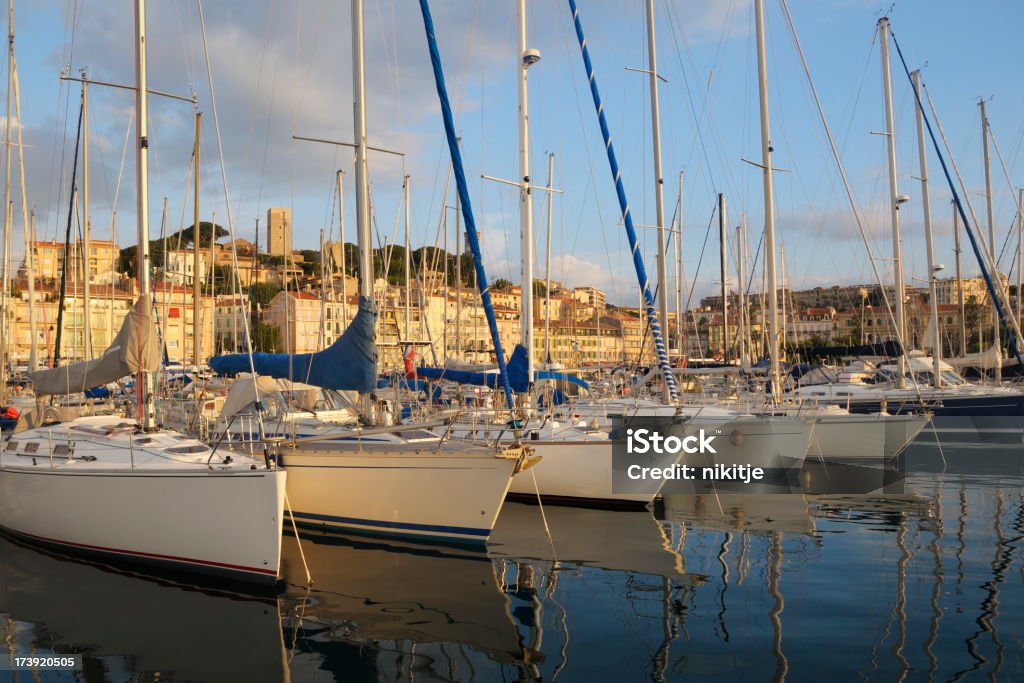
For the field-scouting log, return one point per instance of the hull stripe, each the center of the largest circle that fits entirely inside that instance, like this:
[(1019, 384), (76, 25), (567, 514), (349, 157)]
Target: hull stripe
[(151, 556), (405, 526)]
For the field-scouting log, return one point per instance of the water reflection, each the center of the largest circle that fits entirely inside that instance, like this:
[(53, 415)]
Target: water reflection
[(130, 627), (923, 584), (391, 609)]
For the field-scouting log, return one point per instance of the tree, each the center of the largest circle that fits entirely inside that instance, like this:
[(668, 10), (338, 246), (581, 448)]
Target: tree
[(502, 284), (187, 235), (266, 337), (261, 293), (181, 239)]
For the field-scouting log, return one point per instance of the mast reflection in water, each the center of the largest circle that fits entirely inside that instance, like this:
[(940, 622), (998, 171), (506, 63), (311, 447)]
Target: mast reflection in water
[(926, 584)]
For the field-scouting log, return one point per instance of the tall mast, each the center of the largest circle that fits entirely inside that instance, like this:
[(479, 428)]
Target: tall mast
[(341, 238), (364, 237), (86, 251), (27, 228), (5, 318), (998, 373), (458, 279), (959, 280), (679, 271), (769, 205), (894, 198), (741, 309), (547, 267), (722, 247), (197, 329), (523, 62), (936, 340), (144, 383), (1020, 251), (408, 265), (659, 197)]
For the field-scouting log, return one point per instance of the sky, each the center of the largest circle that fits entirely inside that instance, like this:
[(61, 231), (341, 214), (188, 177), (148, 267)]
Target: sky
[(282, 68)]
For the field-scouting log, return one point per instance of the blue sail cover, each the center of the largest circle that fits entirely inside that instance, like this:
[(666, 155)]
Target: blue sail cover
[(349, 364), (518, 376)]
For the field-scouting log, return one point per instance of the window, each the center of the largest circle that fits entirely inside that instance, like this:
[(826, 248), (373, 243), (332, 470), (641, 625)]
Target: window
[(32, 447), (62, 449), (12, 446)]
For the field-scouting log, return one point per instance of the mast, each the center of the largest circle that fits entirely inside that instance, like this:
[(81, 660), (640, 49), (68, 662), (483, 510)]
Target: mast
[(998, 373), (197, 334), (769, 205), (936, 341), (679, 271), (458, 280), (144, 383), (741, 311), (659, 197), (724, 265), (1020, 250), (341, 238), (29, 229), (4, 296), (86, 251), (408, 265), (959, 280), (894, 198), (524, 60), (365, 239), (547, 268), (627, 219)]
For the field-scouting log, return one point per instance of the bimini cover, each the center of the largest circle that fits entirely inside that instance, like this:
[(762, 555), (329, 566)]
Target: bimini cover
[(349, 364), (136, 348), (517, 374)]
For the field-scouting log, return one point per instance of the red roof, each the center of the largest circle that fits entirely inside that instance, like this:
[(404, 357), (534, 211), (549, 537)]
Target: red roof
[(304, 296)]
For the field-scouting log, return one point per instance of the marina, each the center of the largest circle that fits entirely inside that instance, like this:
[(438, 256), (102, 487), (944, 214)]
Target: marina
[(712, 590), (350, 393)]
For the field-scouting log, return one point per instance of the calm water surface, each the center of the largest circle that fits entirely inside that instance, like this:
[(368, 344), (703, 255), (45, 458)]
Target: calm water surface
[(923, 585)]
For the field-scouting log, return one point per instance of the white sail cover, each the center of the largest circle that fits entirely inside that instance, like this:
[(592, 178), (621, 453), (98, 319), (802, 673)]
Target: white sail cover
[(135, 348)]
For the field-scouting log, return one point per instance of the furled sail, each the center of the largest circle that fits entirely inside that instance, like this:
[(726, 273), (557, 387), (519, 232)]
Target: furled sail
[(349, 364), (135, 348), (518, 375)]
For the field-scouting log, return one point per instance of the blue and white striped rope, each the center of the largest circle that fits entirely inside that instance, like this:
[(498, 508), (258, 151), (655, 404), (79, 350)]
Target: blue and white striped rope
[(638, 260)]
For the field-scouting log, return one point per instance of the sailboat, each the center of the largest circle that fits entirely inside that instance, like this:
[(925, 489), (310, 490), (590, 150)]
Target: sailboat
[(338, 480), (962, 412), (122, 487)]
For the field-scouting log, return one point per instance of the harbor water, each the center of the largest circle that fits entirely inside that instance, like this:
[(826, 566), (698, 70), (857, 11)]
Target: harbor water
[(926, 585)]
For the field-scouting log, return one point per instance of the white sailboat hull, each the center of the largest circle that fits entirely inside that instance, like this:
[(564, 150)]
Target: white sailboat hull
[(574, 472), (863, 438), (219, 523), (447, 495)]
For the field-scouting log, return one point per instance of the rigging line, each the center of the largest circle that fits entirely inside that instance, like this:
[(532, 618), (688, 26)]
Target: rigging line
[(392, 66), (246, 158), (842, 172), (1009, 323), (592, 181), (1009, 185), (668, 378), (189, 70), (697, 120), (708, 106), (231, 224)]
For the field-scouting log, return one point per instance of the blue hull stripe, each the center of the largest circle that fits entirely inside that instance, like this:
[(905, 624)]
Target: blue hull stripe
[(404, 526)]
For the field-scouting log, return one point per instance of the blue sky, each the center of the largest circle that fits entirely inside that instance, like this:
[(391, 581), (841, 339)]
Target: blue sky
[(284, 68)]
